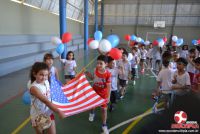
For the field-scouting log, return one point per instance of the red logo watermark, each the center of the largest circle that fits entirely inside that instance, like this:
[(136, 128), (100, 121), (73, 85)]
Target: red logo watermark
[(180, 118)]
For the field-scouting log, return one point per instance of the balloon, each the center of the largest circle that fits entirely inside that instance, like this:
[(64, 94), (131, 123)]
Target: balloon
[(60, 48), (159, 40), (132, 43), (142, 41), (66, 37), (194, 42), (138, 39), (98, 35), (56, 40), (174, 38), (179, 42), (130, 56), (94, 44), (165, 39), (113, 39), (89, 40), (133, 37), (26, 98), (147, 42), (115, 53), (198, 41), (161, 43), (127, 37), (155, 43), (105, 46)]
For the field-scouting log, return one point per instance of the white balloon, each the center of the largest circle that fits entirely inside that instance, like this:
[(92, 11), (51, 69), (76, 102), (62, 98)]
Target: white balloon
[(138, 39), (147, 42), (105, 46), (94, 44), (130, 56), (174, 38), (56, 40), (161, 43)]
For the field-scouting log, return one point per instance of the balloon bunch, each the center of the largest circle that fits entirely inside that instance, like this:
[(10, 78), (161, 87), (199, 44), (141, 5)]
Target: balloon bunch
[(66, 37), (105, 45), (160, 42), (134, 38), (177, 41), (196, 42)]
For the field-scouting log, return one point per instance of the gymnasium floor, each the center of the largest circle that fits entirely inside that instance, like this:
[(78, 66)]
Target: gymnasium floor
[(15, 115)]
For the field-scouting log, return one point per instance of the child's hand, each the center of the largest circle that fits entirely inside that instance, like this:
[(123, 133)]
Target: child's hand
[(61, 114)]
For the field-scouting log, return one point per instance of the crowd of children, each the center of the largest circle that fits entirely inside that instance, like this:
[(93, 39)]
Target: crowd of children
[(178, 71)]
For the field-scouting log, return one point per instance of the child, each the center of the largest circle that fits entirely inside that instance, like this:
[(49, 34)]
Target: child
[(40, 96), (173, 63), (191, 66), (196, 82), (48, 59), (143, 53), (149, 56), (102, 86), (114, 78), (184, 52), (134, 65), (70, 66), (123, 78), (164, 79), (181, 78)]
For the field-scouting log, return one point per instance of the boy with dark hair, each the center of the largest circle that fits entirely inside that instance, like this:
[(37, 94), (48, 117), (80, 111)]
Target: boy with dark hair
[(102, 86), (181, 79)]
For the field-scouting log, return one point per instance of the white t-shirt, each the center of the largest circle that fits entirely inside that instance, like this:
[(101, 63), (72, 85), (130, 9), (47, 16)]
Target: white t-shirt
[(183, 79), (190, 68), (127, 68), (157, 55), (35, 102), (150, 53), (69, 66), (184, 54), (133, 62), (114, 77), (165, 76), (143, 53)]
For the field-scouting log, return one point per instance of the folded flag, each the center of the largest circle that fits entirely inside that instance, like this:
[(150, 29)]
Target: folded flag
[(75, 97)]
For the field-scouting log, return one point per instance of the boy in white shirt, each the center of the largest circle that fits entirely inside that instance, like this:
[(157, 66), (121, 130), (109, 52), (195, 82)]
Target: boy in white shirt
[(123, 78), (114, 79), (181, 79)]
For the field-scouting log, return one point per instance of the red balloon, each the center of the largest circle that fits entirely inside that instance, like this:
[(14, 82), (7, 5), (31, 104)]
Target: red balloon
[(165, 39), (66, 37), (127, 37), (115, 53), (155, 43), (89, 40), (132, 43), (198, 41)]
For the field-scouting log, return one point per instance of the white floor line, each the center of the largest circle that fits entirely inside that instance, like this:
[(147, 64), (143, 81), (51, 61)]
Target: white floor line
[(132, 119)]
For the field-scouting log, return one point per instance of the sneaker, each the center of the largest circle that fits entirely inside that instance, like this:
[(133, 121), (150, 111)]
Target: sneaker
[(91, 117), (134, 82), (121, 97), (105, 130)]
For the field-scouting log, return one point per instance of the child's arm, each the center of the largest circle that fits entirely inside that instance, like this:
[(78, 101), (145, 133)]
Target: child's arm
[(56, 73), (109, 90), (35, 92), (88, 74), (174, 80)]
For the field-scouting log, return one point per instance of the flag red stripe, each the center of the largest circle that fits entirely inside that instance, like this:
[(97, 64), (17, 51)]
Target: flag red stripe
[(75, 79), (78, 90), (93, 102), (67, 88), (78, 103)]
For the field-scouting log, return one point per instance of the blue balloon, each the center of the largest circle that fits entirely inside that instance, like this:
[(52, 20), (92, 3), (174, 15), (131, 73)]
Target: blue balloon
[(133, 37), (159, 40), (113, 39), (98, 35), (194, 42), (142, 41), (60, 48), (179, 41), (26, 98)]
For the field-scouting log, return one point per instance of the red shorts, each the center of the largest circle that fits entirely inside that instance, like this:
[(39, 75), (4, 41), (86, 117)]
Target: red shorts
[(104, 95)]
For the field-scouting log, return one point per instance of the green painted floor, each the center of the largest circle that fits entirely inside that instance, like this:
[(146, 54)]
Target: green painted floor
[(136, 101)]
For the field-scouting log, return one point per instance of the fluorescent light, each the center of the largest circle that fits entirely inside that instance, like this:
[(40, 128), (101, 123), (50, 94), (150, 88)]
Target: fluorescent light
[(26, 4), (17, 1)]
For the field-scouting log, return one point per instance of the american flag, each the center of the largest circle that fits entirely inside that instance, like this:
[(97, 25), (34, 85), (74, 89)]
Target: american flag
[(75, 97)]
